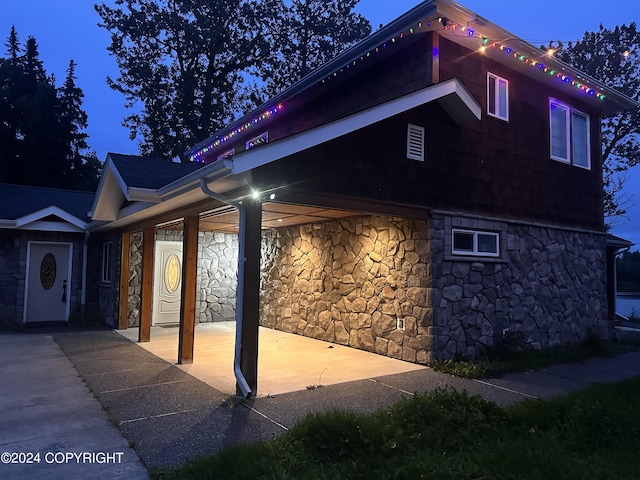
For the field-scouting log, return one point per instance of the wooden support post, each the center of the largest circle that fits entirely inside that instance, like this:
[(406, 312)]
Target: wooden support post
[(251, 303), (188, 301), (123, 297), (146, 307)]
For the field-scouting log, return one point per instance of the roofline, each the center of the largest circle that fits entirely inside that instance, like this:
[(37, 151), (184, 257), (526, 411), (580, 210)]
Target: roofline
[(395, 27), (24, 222)]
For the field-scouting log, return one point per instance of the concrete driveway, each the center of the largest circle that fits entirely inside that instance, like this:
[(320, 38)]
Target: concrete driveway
[(51, 426)]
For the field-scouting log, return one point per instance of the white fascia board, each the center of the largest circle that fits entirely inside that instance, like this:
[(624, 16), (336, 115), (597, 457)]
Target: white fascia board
[(25, 220), (4, 223), (251, 159), (46, 226), (137, 194), (210, 173), (110, 194)]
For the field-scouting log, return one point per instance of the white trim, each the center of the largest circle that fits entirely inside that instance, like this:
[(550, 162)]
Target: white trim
[(569, 134), (451, 90), (69, 276), (475, 252), (588, 127), (51, 210), (105, 267), (496, 99)]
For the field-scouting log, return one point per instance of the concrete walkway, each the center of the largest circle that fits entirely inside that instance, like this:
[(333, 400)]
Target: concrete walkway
[(171, 416), (51, 426)]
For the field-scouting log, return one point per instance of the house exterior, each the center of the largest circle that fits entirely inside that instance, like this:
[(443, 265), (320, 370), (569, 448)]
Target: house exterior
[(42, 253), (425, 193)]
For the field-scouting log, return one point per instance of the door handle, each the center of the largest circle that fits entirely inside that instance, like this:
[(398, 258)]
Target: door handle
[(64, 290)]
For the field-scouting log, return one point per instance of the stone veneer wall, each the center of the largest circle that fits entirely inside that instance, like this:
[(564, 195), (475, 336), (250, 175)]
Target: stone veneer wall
[(10, 278), (548, 288), (216, 282), (350, 282), (218, 277)]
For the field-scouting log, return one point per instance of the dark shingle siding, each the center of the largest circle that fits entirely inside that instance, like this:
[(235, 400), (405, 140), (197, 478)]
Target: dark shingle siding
[(18, 200), (147, 172)]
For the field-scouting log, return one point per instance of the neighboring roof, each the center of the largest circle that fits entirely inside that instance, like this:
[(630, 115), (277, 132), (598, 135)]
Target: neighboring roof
[(18, 200), (618, 242), (147, 172), (44, 209), (407, 24)]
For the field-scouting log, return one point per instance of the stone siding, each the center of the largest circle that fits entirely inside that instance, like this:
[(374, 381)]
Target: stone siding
[(360, 282), (547, 288), (218, 277), (10, 276)]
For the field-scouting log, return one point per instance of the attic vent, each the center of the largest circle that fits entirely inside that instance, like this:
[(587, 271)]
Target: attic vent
[(415, 143)]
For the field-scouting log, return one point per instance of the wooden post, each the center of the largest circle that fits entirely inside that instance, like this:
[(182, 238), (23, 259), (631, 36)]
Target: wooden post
[(123, 298), (251, 303), (146, 307), (188, 299)]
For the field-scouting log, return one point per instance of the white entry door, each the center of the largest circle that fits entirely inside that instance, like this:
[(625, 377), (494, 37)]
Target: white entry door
[(167, 283), (48, 282)]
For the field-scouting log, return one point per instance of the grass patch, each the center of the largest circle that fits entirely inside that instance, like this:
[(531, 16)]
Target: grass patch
[(445, 435), (506, 358)]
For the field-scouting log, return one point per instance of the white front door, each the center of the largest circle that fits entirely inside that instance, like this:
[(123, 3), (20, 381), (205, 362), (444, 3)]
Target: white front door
[(167, 284), (48, 282)]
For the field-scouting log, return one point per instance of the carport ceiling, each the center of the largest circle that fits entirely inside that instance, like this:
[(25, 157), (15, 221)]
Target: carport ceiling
[(274, 215)]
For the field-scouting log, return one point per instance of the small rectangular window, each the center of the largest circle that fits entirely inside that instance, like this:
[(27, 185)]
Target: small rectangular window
[(476, 243), (580, 139), (497, 97), (415, 142), (261, 139), (105, 275)]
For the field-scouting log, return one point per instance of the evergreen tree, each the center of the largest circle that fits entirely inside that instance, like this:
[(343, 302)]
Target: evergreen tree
[(613, 57), (41, 127)]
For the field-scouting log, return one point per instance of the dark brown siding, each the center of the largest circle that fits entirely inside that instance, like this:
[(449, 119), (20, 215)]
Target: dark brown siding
[(394, 71), (488, 167)]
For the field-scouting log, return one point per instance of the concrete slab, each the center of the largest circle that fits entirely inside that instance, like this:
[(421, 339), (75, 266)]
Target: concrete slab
[(286, 362), (47, 414)]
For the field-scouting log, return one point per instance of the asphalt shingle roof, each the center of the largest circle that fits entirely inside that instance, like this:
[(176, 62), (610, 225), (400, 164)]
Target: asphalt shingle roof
[(147, 172), (19, 200)]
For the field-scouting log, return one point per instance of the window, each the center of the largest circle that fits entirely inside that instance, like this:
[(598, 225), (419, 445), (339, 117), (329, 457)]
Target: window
[(227, 154), (105, 275), (257, 141), (497, 97), (570, 139), (415, 143), (477, 243)]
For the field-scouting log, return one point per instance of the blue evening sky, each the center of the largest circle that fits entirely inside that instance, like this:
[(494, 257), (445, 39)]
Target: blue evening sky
[(67, 29)]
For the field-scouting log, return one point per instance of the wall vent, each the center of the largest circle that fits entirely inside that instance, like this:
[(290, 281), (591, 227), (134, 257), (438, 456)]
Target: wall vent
[(415, 143)]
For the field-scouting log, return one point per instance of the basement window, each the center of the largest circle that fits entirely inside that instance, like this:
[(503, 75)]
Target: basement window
[(415, 143), (475, 243), (261, 139)]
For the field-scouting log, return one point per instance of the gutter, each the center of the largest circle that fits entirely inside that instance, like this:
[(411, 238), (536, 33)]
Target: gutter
[(83, 284), (242, 382)]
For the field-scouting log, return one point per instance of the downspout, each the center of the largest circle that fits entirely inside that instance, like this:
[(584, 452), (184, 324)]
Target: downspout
[(83, 284), (242, 382)]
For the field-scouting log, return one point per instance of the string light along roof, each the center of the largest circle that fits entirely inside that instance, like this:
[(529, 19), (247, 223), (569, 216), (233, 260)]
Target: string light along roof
[(428, 16)]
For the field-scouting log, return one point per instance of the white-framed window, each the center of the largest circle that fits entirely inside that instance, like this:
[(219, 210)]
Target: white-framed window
[(227, 154), (475, 243), (497, 97), (570, 137), (261, 139), (105, 271), (415, 142)]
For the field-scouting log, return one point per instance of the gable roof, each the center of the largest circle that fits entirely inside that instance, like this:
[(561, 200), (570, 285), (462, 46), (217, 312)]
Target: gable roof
[(148, 172), (133, 178), (34, 208), (472, 31)]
